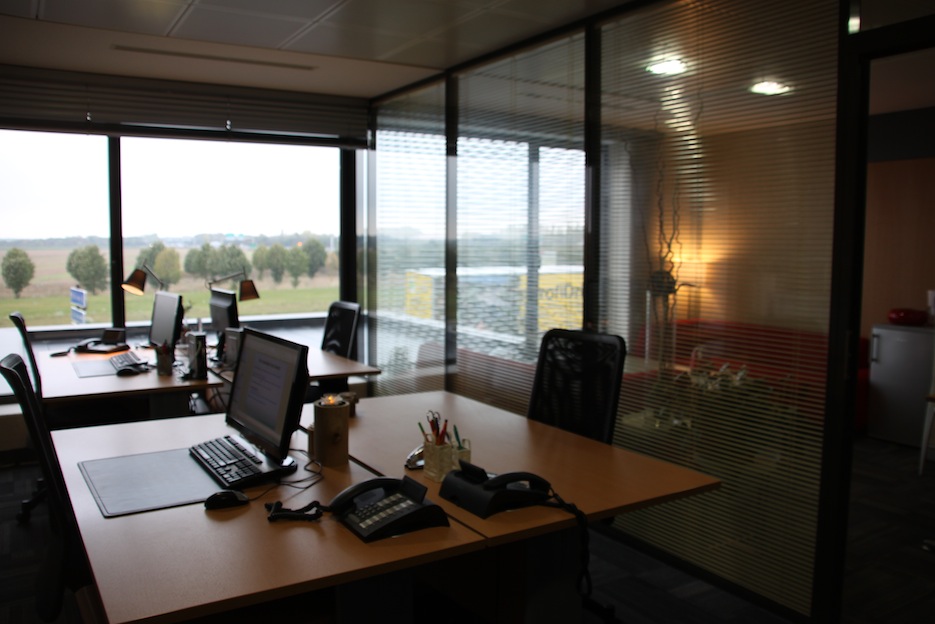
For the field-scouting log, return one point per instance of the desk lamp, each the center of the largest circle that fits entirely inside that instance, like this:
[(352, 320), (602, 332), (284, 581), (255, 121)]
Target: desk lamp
[(136, 283), (247, 290)]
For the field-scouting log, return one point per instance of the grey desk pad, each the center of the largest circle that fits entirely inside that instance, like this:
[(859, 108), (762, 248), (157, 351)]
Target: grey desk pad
[(94, 368), (145, 482)]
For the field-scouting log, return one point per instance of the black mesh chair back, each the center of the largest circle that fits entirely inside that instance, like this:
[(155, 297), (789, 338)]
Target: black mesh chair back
[(577, 383), (65, 564), (20, 323), (340, 337), (340, 333)]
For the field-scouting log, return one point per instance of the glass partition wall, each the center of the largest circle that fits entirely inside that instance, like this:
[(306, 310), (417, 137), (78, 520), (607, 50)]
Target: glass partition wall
[(711, 191)]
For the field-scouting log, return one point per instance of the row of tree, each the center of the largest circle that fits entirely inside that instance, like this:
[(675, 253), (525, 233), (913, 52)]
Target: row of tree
[(88, 266)]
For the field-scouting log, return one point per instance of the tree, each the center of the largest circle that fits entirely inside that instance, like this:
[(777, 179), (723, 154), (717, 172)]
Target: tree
[(228, 259), (315, 254), (18, 270), (198, 261), (148, 256), (276, 261), (261, 260), (296, 264), (167, 267), (88, 267)]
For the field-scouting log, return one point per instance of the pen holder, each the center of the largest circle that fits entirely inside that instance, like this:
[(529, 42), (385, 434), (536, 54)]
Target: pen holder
[(331, 427), (164, 362), (438, 460)]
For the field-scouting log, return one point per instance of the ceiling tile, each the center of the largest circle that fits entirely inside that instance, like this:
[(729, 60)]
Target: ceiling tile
[(150, 17), (221, 26), (302, 9), (347, 42), (438, 53), (20, 8), (402, 17)]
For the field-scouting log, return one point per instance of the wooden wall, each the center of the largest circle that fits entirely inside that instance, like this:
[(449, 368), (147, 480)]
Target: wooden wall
[(899, 255)]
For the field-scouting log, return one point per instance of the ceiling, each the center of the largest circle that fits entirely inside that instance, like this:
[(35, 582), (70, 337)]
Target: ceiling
[(361, 48)]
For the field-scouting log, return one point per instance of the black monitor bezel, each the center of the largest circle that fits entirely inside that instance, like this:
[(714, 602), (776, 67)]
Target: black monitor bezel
[(277, 449), (177, 320), (223, 307)]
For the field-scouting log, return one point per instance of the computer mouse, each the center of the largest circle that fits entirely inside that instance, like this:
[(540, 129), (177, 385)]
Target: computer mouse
[(127, 371), (226, 498)]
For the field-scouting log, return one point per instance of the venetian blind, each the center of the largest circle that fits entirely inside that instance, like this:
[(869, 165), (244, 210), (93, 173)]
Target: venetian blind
[(407, 227), (44, 97), (520, 215), (718, 223)]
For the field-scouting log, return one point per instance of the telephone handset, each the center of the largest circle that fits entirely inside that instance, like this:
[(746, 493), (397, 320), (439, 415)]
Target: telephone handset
[(484, 495), (383, 507), (111, 341)]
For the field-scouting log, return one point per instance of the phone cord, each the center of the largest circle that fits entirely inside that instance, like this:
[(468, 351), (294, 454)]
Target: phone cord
[(584, 575)]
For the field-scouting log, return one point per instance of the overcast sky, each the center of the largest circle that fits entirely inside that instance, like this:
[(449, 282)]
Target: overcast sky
[(56, 185)]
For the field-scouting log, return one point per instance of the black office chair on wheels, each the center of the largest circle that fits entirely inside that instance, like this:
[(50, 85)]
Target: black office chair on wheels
[(39, 493), (340, 337), (577, 388), (65, 564)]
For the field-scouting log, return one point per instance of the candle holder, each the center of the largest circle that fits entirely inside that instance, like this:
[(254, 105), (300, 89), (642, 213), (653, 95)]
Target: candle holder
[(331, 429)]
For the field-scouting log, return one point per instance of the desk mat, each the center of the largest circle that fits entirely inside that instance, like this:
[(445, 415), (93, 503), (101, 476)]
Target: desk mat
[(146, 482), (94, 368)]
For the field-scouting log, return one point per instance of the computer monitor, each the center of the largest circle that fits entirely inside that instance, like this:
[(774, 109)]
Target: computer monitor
[(166, 325), (268, 391), (223, 306)]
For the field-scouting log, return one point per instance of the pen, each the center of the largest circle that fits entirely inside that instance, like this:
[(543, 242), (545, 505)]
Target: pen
[(441, 435), (425, 436), (458, 438)]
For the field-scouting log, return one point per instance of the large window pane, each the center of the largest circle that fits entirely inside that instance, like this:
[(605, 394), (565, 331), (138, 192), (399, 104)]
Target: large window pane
[(199, 210), (54, 206)]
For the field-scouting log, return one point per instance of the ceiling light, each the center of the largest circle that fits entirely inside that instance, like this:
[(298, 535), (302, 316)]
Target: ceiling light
[(668, 67), (770, 87)]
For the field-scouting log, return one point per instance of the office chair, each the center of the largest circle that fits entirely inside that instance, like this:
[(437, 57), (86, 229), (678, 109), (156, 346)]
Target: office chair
[(39, 493), (340, 337), (927, 423), (577, 388), (577, 382), (65, 564)]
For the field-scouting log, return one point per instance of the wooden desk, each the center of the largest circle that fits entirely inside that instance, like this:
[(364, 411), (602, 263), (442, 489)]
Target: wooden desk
[(61, 384), (184, 562), (327, 365), (600, 479)]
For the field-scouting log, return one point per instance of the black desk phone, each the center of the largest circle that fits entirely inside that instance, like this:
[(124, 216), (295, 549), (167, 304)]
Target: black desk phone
[(484, 495), (384, 507), (111, 341)]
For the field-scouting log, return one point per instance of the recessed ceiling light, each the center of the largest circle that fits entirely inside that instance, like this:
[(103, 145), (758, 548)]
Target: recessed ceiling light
[(668, 67), (770, 87)]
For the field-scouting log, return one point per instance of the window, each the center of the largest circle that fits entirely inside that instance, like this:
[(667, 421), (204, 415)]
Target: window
[(54, 206), (200, 210)]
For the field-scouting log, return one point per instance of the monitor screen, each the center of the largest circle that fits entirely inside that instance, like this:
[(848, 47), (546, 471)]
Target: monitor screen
[(166, 325), (223, 306), (268, 391)]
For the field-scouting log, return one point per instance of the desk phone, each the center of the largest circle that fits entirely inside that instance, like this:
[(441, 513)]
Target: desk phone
[(383, 507)]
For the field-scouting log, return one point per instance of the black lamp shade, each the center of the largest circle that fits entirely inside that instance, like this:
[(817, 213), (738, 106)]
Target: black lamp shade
[(136, 283)]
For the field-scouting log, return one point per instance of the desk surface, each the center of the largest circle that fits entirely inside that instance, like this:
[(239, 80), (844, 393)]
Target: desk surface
[(184, 562), (600, 479), (60, 382), (327, 365)]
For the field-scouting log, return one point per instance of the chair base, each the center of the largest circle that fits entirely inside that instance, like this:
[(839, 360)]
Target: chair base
[(26, 506)]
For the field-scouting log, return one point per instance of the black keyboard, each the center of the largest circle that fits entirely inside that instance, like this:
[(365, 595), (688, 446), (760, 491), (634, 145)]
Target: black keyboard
[(127, 358), (228, 461)]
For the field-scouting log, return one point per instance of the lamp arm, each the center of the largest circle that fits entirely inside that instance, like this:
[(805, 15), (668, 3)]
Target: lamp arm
[(152, 274), (241, 273)]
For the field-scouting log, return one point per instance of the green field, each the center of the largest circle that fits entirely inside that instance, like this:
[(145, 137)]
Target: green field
[(46, 300)]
